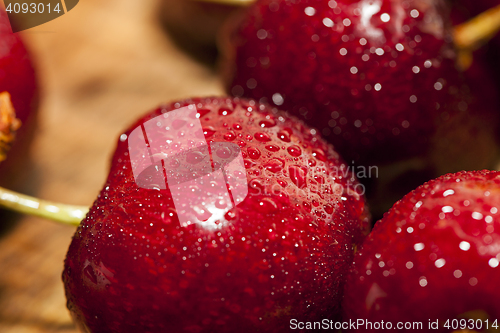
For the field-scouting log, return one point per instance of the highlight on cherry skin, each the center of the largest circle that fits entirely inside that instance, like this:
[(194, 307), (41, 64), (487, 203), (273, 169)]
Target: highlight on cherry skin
[(219, 214), (187, 162)]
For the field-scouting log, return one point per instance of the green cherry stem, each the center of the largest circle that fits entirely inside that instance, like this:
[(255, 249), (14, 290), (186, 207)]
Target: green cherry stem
[(21, 203), (66, 214)]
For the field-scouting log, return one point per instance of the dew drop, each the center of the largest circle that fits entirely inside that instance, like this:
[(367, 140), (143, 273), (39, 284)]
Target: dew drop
[(319, 154), (225, 111), (230, 216), (464, 246), (278, 99), (224, 152), (298, 175), (203, 112), (194, 157), (284, 136), (248, 164), (273, 148), (229, 136), (310, 11), (262, 137), (208, 131), (220, 203), (267, 123), (274, 165), (294, 150), (254, 153)]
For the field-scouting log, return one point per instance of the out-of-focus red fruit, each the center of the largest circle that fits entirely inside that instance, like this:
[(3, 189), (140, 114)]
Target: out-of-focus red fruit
[(376, 77), (433, 257), (136, 265), (17, 77)]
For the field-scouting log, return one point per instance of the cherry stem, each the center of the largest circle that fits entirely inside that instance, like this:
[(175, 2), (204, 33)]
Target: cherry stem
[(66, 214), (21, 203), (478, 30)]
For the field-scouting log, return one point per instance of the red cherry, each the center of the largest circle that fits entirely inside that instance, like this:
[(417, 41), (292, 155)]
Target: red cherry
[(282, 253), (434, 256), (377, 78), (17, 77)]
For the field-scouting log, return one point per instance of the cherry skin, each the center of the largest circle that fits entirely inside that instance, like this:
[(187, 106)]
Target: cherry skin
[(280, 254), (434, 256)]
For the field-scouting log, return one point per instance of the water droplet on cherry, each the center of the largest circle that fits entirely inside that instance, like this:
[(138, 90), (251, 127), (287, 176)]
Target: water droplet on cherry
[(274, 165), (319, 154), (248, 164), (294, 150), (273, 148), (253, 153), (298, 175), (230, 136), (194, 157), (262, 137), (224, 152), (267, 123), (225, 111), (208, 131), (284, 136), (203, 112)]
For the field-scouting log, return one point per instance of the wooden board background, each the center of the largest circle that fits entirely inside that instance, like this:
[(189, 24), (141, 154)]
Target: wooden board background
[(100, 66)]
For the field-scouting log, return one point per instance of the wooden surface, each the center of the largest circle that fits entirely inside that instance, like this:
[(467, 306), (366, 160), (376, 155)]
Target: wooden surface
[(100, 66)]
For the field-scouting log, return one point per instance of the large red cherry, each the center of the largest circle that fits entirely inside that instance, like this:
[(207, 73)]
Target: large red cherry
[(433, 259), (256, 225)]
